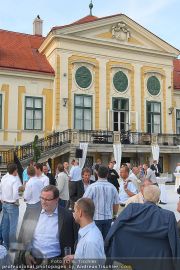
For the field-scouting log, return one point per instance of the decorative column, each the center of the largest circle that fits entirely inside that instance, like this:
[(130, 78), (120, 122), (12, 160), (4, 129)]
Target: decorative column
[(21, 92), (5, 89)]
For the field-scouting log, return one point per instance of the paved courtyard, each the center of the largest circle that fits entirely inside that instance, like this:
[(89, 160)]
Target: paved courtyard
[(172, 199)]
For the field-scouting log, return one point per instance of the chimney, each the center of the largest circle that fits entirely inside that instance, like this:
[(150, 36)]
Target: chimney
[(37, 26)]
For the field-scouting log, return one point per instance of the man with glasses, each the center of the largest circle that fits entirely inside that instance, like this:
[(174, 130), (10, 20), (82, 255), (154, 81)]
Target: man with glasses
[(46, 232)]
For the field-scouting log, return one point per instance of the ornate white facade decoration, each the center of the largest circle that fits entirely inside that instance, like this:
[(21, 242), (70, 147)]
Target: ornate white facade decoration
[(120, 32)]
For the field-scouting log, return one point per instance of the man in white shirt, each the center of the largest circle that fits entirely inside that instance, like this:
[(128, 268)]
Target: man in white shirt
[(62, 183), (39, 174), (177, 170), (33, 189), (127, 188), (139, 198), (10, 185), (134, 177), (149, 174), (66, 168), (90, 241), (75, 172)]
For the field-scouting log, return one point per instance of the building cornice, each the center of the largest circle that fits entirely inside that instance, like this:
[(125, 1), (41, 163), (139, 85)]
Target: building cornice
[(112, 45), (26, 74), (176, 91)]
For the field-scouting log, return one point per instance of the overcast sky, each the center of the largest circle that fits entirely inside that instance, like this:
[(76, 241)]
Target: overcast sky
[(162, 17)]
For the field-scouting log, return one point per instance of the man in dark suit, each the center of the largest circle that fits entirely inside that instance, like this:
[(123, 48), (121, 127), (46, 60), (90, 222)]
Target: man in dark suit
[(52, 180), (46, 231), (156, 167), (113, 175), (77, 188)]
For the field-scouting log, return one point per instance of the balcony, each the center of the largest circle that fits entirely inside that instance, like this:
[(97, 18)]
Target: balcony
[(60, 142), (127, 137)]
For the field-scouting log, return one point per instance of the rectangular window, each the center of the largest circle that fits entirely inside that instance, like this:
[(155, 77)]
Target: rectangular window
[(0, 111), (178, 121), (83, 112), (120, 108), (33, 113), (153, 117)]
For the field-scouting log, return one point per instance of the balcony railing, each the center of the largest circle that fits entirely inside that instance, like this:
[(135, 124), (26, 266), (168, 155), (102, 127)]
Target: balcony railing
[(57, 139), (138, 138), (96, 136), (127, 137)]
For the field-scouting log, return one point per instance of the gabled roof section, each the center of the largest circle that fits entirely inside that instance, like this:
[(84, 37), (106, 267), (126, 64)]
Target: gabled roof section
[(176, 74), (92, 22), (20, 52), (89, 18)]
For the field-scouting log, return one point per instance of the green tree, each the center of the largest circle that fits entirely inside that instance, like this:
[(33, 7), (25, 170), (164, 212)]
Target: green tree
[(36, 149)]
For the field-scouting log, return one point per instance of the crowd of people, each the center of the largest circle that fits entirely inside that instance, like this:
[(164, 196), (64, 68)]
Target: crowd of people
[(95, 217)]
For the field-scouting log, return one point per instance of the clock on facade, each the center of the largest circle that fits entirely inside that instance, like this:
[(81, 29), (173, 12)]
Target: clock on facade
[(83, 77), (153, 85), (120, 81)]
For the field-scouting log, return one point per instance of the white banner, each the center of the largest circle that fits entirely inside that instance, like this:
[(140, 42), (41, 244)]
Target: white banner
[(84, 147), (155, 152), (117, 155)]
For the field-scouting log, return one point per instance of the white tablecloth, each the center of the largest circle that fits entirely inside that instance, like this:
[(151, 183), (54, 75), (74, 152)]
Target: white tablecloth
[(161, 182)]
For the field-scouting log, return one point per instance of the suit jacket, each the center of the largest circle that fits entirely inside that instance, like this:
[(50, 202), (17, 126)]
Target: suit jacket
[(155, 169), (113, 177), (76, 191), (67, 231), (151, 232), (52, 180)]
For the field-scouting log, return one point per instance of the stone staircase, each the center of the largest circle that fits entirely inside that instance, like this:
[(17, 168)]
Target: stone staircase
[(53, 143)]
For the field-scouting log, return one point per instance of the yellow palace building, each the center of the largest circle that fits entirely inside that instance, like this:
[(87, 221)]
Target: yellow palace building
[(98, 80)]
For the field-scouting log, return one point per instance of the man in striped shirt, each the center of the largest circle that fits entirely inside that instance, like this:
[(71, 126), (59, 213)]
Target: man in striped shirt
[(106, 200)]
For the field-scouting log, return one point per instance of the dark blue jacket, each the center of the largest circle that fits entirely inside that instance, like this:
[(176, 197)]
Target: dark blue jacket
[(145, 236)]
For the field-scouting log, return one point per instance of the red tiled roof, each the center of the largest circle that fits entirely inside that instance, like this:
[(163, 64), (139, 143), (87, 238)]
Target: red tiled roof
[(176, 74), (89, 18), (20, 51), (86, 19)]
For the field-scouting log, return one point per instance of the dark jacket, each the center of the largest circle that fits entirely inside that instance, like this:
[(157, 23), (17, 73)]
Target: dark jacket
[(52, 180), (113, 178), (76, 191), (67, 231), (144, 231), (157, 172)]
